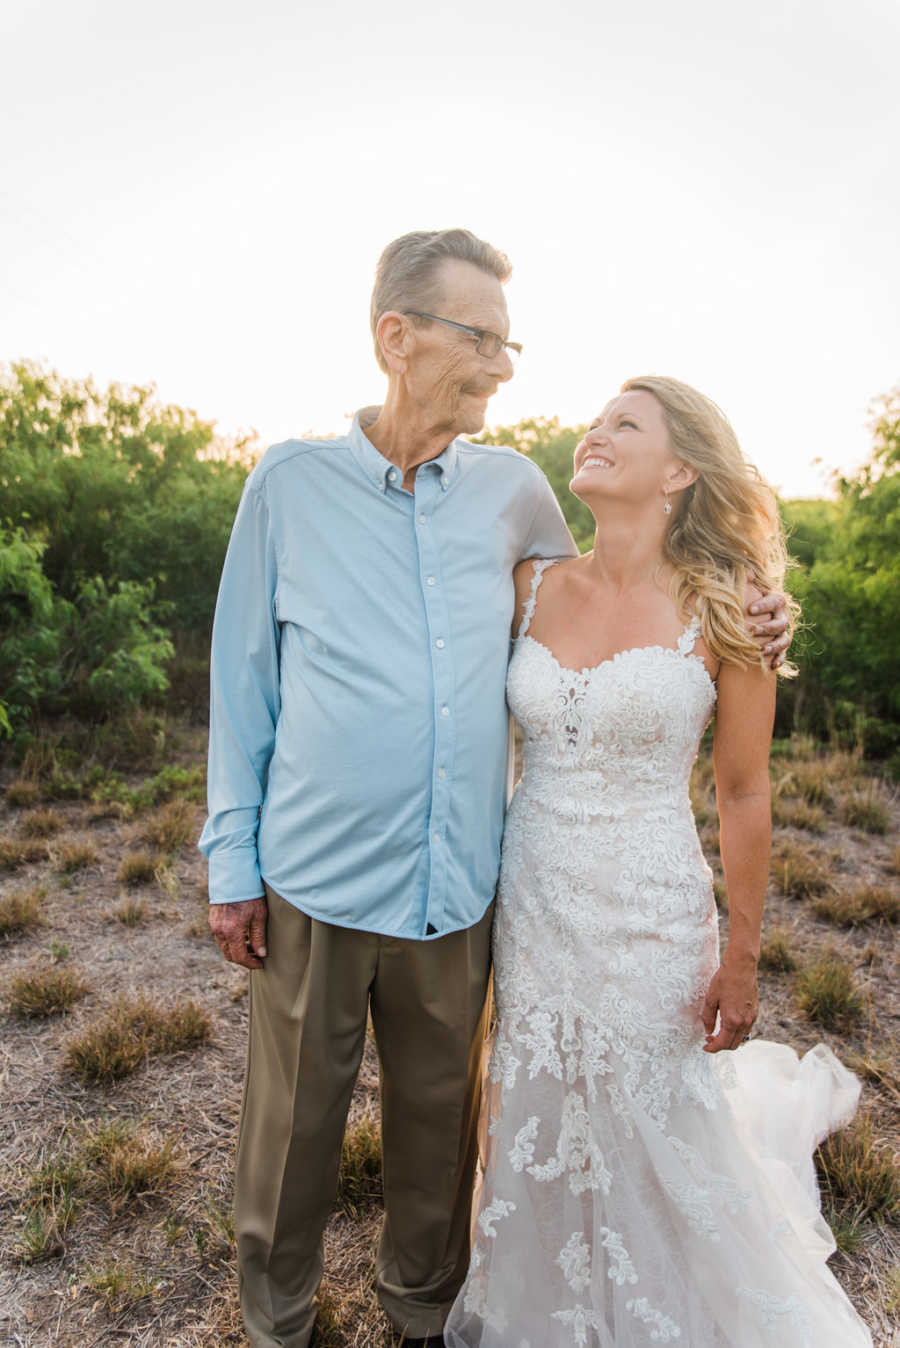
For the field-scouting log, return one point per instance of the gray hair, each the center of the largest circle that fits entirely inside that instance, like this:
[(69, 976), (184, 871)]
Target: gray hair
[(406, 275)]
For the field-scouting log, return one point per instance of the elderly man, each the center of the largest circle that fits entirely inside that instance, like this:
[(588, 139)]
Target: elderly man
[(356, 787)]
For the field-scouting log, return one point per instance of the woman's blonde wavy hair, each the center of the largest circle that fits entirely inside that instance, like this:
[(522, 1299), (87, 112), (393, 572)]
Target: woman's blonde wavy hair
[(725, 530)]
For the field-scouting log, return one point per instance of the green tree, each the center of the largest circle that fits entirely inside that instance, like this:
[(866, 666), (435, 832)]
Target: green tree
[(95, 654), (117, 485), (849, 586)]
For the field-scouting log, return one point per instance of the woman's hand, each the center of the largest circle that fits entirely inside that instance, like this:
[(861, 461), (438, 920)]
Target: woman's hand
[(732, 993)]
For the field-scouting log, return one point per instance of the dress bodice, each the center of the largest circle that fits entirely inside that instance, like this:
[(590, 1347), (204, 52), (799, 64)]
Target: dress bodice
[(630, 724)]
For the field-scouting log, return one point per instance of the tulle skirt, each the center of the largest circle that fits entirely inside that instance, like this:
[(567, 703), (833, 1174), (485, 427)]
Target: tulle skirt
[(600, 1223)]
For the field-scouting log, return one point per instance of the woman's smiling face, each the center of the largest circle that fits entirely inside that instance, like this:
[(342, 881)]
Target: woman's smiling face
[(626, 450)]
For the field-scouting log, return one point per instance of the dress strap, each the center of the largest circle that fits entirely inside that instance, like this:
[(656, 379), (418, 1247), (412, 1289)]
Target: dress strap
[(540, 566), (688, 638)]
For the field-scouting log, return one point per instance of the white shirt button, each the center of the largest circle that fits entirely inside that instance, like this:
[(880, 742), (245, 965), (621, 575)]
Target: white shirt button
[(436, 837), (429, 580), (392, 475), (440, 643), (442, 772), (445, 711), (421, 519)]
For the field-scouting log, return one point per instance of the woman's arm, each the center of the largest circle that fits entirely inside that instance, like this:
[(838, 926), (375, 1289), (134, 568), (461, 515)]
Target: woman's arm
[(743, 732)]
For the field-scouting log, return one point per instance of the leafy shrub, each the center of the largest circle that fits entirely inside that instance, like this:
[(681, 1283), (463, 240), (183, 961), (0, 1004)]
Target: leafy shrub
[(119, 486), (93, 654)]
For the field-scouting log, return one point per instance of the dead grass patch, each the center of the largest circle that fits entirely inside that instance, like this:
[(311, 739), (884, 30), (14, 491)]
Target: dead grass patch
[(858, 1173), (137, 868), (866, 811), (16, 852), (170, 827), (105, 809), (41, 823), (130, 913), (809, 780), (45, 991), (131, 1032), (20, 912), (799, 871), (51, 1205), (68, 858), (879, 1064), (359, 1179), (125, 1162), (113, 1162), (120, 1285), (787, 813), (775, 952), (22, 793), (865, 903), (827, 993)]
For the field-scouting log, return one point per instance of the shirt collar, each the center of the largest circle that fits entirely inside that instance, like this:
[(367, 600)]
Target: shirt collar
[(377, 467)]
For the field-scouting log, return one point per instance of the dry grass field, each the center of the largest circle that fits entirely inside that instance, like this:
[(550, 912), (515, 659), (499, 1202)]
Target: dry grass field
[(123, 1039)]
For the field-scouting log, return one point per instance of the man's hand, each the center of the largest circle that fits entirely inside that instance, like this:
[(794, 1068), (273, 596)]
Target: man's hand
[(240, 931), (768, 622)]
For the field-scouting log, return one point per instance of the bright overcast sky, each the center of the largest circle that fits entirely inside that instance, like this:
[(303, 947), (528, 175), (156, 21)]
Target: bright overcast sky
[(194, 194)]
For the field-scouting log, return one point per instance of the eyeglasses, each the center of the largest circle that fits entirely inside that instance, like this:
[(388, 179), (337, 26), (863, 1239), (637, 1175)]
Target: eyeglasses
[(487, 344)]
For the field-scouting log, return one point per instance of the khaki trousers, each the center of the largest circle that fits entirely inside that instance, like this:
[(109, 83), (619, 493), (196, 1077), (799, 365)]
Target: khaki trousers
[(308, 1011)]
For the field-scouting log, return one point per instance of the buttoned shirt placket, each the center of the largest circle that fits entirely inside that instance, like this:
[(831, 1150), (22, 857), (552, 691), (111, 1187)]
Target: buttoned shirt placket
[(432, 481)]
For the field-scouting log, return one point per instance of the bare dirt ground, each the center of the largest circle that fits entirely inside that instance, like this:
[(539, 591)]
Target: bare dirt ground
[(156, 1266)]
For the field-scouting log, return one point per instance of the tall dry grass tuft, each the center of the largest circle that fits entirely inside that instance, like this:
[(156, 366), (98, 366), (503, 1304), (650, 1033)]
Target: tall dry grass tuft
[(68, 858), (799, 871), (359, 1179), (14, 852), (22, 793), (132, 1031), (138, 868), (865, 903), (45, 991), (775, 954), (866, 811), (787, 813), (41, 823), (124, 1162), (171, 826), (858, 1173), (20, 912), (827, 992)]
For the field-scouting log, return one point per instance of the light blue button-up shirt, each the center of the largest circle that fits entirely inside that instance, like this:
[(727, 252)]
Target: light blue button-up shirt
[(358, 725)]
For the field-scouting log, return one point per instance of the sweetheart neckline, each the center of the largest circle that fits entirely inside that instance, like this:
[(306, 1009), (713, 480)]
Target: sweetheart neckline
[(613, 659)]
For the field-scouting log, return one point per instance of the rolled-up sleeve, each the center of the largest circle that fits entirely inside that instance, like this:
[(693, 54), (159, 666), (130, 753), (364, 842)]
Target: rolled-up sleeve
[(244, 702)]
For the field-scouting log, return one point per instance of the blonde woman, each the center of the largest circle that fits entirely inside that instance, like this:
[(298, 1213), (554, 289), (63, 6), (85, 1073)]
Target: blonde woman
[(644, 1184)]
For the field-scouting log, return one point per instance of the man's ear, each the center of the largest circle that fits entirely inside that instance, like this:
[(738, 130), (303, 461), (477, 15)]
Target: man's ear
[(393, 334)]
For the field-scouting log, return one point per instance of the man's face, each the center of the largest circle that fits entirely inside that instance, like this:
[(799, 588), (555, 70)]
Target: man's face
[(445, 376)]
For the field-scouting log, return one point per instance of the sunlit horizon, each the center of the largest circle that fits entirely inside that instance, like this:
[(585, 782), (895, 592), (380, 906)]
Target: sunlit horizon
[(702, 194)]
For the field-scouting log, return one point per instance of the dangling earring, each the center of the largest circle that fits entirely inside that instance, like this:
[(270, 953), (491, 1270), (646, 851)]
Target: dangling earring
[(667, 508)]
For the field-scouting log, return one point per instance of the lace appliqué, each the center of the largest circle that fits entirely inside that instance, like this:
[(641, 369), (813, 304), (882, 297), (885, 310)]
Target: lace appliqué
[(491, 1215), (777, 1314), (663, 1329)]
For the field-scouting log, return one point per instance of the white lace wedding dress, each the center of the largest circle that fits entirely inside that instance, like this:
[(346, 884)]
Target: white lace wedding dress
[(637, 1191)]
